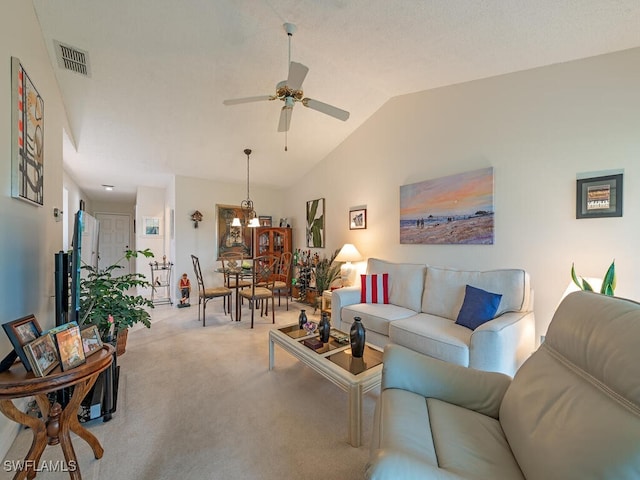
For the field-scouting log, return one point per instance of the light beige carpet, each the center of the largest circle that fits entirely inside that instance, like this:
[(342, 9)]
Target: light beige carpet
[(201, 403)]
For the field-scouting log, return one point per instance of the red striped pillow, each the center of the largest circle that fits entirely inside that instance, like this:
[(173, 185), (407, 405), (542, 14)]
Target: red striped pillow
[(374, 288)]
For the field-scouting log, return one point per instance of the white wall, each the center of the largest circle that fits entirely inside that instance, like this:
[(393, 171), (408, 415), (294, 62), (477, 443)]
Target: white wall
[(29, 236), (538, 129), (199, 194), (150, 202)]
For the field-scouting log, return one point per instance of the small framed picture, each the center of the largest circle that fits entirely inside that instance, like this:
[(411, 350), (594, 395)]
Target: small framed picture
[(91, 341), (42, 354), (70, 348), (599, 197), (264, 221), (151, 227), (358, 219), (21, 332)]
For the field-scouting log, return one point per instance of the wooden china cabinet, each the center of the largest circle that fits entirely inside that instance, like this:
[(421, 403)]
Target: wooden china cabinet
[(272, 241)]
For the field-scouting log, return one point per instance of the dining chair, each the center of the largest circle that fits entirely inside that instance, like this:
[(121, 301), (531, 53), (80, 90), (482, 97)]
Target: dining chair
[(264, 271), (234, 275), (281, 282), (206, 294)]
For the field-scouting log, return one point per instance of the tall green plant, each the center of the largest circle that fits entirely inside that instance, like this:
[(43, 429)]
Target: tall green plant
[(608, 282), (327, 271), (104, 299)]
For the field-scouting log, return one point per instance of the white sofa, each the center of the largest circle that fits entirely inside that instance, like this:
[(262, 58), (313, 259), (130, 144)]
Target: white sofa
[(424, 302), (571, 412)]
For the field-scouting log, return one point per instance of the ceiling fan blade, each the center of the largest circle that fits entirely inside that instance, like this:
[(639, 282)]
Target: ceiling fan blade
[(297, 74), (236, 101), (326, 108), (285, 119)]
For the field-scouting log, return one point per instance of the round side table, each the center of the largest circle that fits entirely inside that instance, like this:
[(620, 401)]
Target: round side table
[(54, 426)]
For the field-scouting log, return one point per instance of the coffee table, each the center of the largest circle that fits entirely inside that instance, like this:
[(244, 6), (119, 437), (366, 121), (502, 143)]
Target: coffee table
[(333, 360)]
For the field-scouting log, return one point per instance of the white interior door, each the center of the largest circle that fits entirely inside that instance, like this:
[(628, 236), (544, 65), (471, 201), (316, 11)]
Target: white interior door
[(114, 240)]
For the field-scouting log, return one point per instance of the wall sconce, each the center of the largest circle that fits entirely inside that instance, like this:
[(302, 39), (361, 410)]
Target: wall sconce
[(348, 253), (196, 217)]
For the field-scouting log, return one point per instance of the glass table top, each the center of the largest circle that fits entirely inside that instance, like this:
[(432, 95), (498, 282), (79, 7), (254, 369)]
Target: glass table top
[(338, 343)]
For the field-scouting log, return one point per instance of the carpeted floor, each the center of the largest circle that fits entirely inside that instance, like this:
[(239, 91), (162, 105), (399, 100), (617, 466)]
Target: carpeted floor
[(201, 403)]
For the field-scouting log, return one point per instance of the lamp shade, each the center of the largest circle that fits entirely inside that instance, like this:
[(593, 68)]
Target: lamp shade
[(348, 253), (236, 222)]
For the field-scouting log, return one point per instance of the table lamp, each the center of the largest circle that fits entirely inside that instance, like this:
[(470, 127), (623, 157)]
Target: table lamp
[(348, 253)]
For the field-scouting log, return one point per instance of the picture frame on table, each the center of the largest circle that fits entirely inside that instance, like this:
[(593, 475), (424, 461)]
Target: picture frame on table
[(42, 354), (91, 341), (20, 332), (358, 219), (70, 348), (599, 197)]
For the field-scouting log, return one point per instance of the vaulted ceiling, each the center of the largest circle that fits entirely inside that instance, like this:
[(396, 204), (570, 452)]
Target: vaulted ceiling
[(159, 71)]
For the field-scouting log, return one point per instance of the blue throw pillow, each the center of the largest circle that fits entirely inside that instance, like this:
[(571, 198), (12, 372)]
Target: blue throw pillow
[(479, 306)]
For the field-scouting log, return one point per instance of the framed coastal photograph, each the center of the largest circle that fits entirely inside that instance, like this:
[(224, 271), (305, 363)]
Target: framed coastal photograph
[(151, 227), (27, 137), (91, 341), (70, 348), (599, 197), (358, 219), (42, 354), (20, 332), (230, 238), (456, 210), (315, 223)]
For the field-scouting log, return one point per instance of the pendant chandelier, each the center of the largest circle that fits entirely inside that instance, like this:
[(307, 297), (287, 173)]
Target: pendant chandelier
[(250, 217)]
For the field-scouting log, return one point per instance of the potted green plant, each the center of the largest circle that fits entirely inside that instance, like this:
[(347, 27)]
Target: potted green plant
[(105, 300), (608, 282), (327, 271)]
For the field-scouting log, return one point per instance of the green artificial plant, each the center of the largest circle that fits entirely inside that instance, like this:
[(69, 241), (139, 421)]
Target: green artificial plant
[(327, 271), (105, 301), (608, 282)]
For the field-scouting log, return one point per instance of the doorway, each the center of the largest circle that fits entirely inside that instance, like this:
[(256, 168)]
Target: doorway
[(114, 241)]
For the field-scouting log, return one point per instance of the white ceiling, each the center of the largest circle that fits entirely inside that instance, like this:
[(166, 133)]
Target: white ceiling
[(160, 70)]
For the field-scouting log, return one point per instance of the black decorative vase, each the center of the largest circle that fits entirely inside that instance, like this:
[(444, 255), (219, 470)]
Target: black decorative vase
[(302, 319), (324, 328), (357, 334)]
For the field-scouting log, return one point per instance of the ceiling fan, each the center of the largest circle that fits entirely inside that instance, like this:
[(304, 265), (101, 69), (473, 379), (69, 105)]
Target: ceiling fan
[(290, 92)]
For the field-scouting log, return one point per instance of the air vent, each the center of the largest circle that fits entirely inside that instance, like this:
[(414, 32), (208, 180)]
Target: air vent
[(72, 58)]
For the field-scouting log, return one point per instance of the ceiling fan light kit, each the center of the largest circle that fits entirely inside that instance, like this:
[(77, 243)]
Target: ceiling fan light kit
[(290, 91)]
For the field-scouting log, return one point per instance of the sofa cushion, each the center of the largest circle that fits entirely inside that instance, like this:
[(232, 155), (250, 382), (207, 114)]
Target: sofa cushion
[(421, 437), (470, 444), (406, 281), (478, 307), (435, 336), (445, 288), (375, 317), (374, 288)]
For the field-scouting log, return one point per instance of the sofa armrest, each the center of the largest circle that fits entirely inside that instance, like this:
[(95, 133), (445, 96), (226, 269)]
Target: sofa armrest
[(341, 298), (466, 387), (504, 343)]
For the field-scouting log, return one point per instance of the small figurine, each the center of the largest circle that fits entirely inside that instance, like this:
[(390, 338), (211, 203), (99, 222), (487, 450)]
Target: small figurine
[(185, 291)]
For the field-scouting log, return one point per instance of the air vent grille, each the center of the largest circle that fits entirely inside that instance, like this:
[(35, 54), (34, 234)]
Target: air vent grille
[(72, 58)]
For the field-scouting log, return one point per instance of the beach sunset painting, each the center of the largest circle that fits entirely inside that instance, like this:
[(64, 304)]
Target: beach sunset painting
[(457, 209)]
